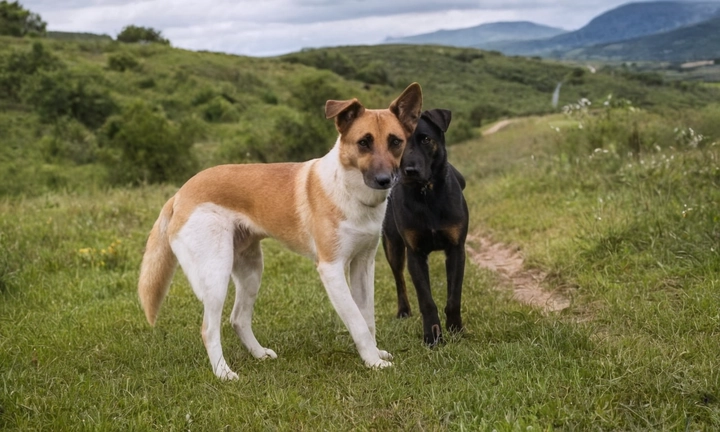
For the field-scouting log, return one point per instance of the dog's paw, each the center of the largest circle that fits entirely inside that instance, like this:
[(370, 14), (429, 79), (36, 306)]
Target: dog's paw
[(434, 337), (385, 355), (225, 373), (380, 364), (265, 353)]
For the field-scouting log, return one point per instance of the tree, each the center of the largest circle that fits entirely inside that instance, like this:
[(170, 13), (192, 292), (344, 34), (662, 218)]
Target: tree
[(135, 34), (18, 21)]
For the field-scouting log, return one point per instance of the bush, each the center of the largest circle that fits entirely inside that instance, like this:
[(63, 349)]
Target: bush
[(310, 92), (460, 130), (135, 34), (56, 94), (70, 141), (374, 73), (142, 146), (219, 110), (329, 60), (122, 61), (17, 67)]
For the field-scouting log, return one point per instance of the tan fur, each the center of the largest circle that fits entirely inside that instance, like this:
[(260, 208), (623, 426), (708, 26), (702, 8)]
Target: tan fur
[(158, 265)]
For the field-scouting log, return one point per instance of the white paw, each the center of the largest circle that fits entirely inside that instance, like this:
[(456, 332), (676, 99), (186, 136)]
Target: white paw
[(380, 364), (265, 353), (225, 373), (385, 355)]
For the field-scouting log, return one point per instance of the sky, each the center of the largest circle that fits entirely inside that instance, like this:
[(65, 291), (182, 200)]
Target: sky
[(274, 27)]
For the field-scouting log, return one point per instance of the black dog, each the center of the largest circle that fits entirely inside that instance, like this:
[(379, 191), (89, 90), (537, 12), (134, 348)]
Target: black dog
[(427, 212)]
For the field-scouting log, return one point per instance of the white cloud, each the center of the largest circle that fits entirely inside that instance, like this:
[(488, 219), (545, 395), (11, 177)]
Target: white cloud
[(269, 27)]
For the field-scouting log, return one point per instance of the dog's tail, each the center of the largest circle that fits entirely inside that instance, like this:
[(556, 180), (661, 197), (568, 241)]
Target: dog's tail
[(158, 265)]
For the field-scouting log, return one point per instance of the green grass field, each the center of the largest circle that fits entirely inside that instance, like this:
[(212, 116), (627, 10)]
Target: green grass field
[(617, 203), (633, 240)]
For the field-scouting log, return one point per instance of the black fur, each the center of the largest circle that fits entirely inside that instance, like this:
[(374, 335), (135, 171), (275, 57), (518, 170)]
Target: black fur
[(427, 212)]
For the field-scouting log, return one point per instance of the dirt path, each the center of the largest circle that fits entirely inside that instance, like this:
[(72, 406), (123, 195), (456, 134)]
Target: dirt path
[(497, 126), (508, 263)]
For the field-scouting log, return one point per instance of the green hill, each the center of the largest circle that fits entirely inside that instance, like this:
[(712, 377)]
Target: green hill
[(94, 112)]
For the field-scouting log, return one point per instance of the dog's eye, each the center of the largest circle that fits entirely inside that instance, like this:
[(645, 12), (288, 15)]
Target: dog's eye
[(364, 143), (395, 143), (425, 139)]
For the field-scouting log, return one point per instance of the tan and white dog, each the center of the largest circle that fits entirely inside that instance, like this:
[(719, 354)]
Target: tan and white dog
[(330, 209)]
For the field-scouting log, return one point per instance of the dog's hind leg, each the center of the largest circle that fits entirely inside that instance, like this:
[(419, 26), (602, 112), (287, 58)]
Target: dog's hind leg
[(395, 253), (247, 273), (205, 252)]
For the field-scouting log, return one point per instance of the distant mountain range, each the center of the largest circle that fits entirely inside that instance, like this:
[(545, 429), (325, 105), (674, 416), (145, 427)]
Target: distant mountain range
[(482, 34), (659, 30), (696, 42)]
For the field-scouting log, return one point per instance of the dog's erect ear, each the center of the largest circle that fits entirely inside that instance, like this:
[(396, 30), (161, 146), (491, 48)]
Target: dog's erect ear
[(439, 117), (344, 112), (407, 107)]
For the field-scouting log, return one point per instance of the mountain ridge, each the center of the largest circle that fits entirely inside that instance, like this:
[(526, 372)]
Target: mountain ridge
[(481, 34)]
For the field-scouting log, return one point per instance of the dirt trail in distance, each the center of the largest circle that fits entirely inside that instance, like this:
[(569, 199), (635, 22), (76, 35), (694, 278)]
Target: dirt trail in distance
[(497, 126), (508, 262)]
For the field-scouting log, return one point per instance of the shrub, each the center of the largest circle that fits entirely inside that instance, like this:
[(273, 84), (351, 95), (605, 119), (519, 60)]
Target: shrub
[(135, 34), (71, 141), (310, 92), (55, 94), (294, 137), (322, 59), (17, 67), (374, 73), (142, 146), (460, 130), (219, 110), (122, 61)]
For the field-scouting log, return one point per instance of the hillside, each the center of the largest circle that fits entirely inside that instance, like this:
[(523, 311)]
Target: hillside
[(695, 42), (482, 34), (629, 21), (91, 113)]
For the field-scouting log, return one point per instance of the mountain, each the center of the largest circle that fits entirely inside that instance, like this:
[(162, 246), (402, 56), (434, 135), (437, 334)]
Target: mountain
[(696, 42), (629, 21), (482, 34)]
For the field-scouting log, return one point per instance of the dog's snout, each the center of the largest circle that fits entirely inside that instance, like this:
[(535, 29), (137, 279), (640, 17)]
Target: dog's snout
[(411, 171), (383, 180)]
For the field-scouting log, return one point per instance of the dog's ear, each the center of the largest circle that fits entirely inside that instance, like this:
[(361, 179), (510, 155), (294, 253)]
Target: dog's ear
[(439, 117), (344, 112), (407, 107)]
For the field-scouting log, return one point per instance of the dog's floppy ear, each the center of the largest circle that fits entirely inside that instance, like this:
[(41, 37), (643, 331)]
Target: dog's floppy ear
[(407, 107), (439, 117), (344, 112)]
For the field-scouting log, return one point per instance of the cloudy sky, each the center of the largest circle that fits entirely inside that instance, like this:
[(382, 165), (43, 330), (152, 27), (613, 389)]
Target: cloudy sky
[(272, 27)]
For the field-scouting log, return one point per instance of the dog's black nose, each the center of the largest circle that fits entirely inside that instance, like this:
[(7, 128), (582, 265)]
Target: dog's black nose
[(410, 171), (383, 180)]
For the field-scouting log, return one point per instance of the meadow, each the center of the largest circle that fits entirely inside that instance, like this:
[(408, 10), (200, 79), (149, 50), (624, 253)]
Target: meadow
[(618, 202)]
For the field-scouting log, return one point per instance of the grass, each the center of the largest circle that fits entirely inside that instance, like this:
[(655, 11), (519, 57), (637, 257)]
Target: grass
[(637, 350), (633, 238)]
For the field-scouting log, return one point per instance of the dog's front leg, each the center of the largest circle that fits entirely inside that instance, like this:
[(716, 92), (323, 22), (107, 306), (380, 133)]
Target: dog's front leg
[(362, 288), (455, 268), (333, 277), (419, 272)]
